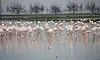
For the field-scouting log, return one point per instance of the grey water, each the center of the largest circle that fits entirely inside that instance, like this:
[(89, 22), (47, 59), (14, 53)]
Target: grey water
[(62, 49)]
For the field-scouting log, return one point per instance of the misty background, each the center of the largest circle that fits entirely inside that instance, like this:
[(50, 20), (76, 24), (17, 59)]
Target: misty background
[(46, 3)]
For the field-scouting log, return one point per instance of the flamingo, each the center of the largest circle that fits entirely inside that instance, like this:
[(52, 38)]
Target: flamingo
[(50, 30), (83, 33), (55, 30), (1, 37), (30, 30), (50, 37), (69, 30), (1, 30), (60, 27), (39, 33), (46, 27)]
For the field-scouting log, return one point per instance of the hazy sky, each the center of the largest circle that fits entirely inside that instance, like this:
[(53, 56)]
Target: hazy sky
[(47, 3)]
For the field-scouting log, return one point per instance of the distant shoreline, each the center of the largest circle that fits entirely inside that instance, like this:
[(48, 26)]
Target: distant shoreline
[(44, 17)]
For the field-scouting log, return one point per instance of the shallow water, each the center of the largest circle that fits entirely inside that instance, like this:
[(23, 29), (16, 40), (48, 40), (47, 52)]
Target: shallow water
[(59, 50), (62, 48)]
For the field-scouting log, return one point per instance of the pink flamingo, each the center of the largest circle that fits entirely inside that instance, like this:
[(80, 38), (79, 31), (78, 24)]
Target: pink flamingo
[(69, 29)]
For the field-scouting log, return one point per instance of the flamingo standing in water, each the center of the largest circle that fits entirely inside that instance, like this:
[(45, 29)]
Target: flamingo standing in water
[(55, 33), (46, 27), (60, 27), (1, 37), (3, 41), (77, 31), (50, 36), (60, 30), (83, 33), (29, 32), (39, 33), (69, 30), (96, 31)]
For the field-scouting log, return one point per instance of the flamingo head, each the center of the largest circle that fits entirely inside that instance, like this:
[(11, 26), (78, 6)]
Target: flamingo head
[(60, 24)]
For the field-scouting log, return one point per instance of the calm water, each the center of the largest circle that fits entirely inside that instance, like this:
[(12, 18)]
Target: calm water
[(69, 50), (61, 49)]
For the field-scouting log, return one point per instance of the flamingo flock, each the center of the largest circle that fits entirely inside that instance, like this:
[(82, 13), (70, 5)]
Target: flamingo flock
[(29, 32)]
